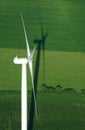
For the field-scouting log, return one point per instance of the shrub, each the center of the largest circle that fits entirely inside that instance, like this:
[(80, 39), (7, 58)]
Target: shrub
[(58, 88), (47, 88), (83, 91), (69, 90)]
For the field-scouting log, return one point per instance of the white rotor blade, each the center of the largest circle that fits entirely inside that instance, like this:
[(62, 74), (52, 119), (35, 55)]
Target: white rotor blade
[(31, 72), (30, 56), (27, 44)]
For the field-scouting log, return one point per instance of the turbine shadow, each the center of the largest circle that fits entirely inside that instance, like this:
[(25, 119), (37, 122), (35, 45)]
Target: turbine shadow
[(39, 42), (32, 107)]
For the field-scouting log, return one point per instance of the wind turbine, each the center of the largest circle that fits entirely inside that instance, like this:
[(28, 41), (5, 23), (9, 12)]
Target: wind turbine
[(23, 62)]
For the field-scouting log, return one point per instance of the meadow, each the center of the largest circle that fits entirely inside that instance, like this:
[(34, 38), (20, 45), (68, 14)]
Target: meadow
[(64, 21), (61, 111), (63, 68)]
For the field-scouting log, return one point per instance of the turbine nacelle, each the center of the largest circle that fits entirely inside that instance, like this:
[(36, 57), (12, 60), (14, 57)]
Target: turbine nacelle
[(20, 60)]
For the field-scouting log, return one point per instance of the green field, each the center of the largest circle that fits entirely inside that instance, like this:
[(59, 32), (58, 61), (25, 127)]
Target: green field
[(61, 68), (61, 111), (64, 21)]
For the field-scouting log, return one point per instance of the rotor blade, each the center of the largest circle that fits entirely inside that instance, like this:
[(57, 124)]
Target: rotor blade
[(27, 44), (30, 62), (31, 72), (32, 53)]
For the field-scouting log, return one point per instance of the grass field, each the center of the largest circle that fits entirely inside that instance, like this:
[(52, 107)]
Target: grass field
[(63, 68), (62, 111), (64, 21)]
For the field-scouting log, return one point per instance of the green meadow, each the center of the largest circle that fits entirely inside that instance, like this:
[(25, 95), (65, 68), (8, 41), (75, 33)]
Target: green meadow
[(62, 111), (64, 21), (61, 68)]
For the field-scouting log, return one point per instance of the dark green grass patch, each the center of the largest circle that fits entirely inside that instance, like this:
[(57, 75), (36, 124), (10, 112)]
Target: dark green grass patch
[(63, 20), (62, 111)]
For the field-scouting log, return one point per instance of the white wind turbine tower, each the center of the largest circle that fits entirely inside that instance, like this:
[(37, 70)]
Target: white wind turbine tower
[(23, 62)]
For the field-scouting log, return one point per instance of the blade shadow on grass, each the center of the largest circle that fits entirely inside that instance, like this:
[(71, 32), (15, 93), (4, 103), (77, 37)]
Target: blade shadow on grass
[(32, 107), (39, 42)]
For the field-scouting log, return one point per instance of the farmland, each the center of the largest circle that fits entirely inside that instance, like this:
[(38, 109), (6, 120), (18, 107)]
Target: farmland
[(62, 68), (55, 111), (64, 22)]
